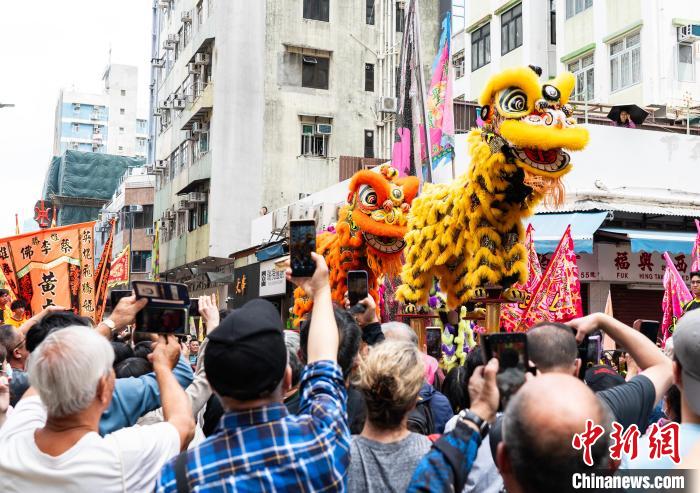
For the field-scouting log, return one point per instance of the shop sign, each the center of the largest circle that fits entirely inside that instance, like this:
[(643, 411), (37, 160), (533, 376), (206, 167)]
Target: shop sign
[(272, 280)]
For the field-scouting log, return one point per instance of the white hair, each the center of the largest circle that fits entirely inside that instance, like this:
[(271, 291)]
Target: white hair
[(66, 368), (399, 331)]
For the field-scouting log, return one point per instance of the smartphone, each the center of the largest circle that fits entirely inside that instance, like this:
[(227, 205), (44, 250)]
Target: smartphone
[(650, 328), (357, 286), (167, 308), (433, 342), (302, 241), (194, 307), (117, 294), (590, 351), (510, 349)]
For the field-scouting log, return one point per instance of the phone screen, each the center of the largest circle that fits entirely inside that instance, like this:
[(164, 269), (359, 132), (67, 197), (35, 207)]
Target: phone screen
[(357, 286), (433, 342), (302, 242), (162, 320), (510, 355), (650, 328), (194, 307)]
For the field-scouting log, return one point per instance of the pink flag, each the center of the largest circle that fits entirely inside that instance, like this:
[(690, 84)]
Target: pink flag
[(512, 312), (696, 250), (676, 293), (401, 153), (557, 297)]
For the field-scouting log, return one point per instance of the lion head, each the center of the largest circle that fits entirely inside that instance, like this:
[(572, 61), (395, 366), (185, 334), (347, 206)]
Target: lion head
[(533, 119)]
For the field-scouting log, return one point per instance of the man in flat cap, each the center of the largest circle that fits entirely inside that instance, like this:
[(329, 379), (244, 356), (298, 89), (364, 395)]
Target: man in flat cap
[(259, 446)]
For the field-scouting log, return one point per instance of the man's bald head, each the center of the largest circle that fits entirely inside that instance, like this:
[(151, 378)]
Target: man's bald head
[(552, 347), (539, 425), (397, 331)]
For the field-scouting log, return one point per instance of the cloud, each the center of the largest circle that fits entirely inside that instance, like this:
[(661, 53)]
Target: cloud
[(47, 45)]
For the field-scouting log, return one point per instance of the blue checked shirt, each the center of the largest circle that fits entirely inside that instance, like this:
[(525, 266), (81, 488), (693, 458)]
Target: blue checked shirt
[(267, 449)]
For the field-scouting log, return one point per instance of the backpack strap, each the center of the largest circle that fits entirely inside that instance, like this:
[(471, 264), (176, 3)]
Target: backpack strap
[(181, 473), (454, 458)]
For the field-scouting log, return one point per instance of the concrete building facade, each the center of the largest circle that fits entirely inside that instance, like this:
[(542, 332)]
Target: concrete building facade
[(104, 123), (255, 102)]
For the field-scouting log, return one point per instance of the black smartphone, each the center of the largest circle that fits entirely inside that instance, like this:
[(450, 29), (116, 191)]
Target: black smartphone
[(509, 348), (433, 342), (302, 241), (650, 328), (194, 307), (117, 294), (590, 352), (357, 286), (167, 308)]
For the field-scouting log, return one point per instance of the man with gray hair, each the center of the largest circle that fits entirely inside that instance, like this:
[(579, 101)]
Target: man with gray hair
[(51, 442)]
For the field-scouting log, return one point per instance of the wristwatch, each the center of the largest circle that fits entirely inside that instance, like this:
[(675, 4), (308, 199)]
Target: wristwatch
[(110, 324), (481, 425)]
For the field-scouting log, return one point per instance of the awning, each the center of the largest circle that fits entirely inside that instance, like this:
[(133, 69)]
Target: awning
[(655, 241), (549, 228), (192, 186)]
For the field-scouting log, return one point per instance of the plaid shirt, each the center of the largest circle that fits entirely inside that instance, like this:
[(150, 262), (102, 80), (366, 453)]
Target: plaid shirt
[(266, 449)]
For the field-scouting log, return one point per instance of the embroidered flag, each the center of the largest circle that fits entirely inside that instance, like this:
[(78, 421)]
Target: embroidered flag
[(676, 293), (557, 297), (696, 250), (441, 126), (119, 272), (512, 312), (54, 266)]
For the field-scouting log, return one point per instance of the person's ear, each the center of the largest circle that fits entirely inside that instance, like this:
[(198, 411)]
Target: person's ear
[(105, 388), (287, 380), (677, 375), (502, 460), (577, 367)]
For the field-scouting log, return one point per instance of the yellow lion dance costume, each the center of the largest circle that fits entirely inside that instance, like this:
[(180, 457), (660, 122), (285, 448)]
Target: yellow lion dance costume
[(469, 233), (369, 234)]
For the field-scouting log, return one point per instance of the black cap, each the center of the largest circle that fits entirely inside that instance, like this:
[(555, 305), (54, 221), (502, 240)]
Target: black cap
[(602, 377), (246, 356)]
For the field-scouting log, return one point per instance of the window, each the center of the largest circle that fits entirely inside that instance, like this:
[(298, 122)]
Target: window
[(316, 10), (203, 143), (552, 22), (625, 62), (369, 77), (583, 72), (200, 12), (140, 260), (121, 130), (574, 7), (511, 29), (458, 63), (76, 127), (187, 34), (122, 111), (313, 143), (369, 143), (369, 13), (686, 65), (123, 92), (481, 47), (400, 18), (314, 72)]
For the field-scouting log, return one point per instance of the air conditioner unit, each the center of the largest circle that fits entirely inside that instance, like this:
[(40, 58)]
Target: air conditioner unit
[(279, 218), (178, 104), (689, 33), (197, 197), (307, 129), (164, 105), (193, 68), (324, 129), (386, 105), (135, 208), (298, 211), (172, 38), (189, 135), (196, 127), (158, 62), (156, 112), (186, 17), (169, 214), (167, 45), (184, 205), (161, 164), (164, 4), (201, 59), (150, 169), (204, 126), (150, 232), (325, 215)]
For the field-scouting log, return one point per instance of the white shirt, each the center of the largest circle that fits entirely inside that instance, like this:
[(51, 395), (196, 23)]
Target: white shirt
[(127, 460)]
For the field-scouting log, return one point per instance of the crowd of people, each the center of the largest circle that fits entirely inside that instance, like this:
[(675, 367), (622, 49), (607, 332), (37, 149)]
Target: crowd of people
[(345, 403)]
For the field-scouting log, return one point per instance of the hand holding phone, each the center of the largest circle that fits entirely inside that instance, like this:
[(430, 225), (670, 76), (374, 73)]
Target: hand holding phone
[(433, 342), (166, 311), (317, 282), (302, 242), (510, 349)]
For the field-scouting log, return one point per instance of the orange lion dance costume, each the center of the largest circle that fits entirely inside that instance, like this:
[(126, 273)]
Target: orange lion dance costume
[(369, 234)]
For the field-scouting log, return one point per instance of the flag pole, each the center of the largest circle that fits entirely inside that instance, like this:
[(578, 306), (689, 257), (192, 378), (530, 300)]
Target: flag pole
[(422, 95)]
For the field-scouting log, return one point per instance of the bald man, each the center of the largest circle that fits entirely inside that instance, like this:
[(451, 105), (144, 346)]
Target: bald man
[(536, 454)]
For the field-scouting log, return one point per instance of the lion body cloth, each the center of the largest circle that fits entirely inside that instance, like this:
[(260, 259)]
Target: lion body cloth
[(469, 233), (369, 233)]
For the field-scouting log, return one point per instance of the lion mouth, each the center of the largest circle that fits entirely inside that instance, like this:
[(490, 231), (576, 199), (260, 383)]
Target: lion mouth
[(549, 161), (385, 244)]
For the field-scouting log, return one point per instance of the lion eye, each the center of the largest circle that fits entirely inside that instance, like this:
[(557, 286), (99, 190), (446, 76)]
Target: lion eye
[(513, 100), (368, 197)]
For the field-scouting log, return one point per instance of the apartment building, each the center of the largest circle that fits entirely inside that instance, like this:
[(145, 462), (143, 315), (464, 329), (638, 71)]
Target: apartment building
[(621, 51), (255, 103), (106, 122)]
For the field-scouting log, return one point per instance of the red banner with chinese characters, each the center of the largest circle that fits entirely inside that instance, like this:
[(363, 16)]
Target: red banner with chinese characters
[(119, 272), (52, 267), (511, 313), (676, 294), (557, 297), (696, 250)]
